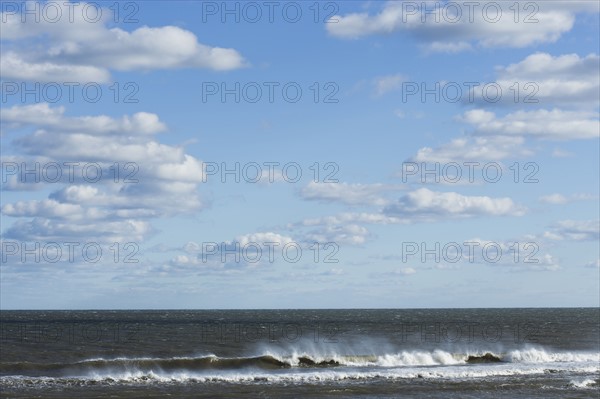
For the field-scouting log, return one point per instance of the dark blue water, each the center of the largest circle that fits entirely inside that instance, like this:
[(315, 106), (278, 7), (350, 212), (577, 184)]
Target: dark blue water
[(443, 353)]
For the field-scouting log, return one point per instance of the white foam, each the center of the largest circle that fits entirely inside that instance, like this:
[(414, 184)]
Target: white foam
[(323, 375), (404, 358), (419, 358), (436, 357), (583, 384), (136, 359), (435, 364), (533, 355)]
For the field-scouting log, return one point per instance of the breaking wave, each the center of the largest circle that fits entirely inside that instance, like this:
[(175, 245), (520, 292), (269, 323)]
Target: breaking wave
[(297, 367)]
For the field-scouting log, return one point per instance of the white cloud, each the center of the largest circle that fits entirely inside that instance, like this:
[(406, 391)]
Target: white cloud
[(552, 125), (556, 199), (386, 84), (523, 254), (418, 206), (247, 250), (595, 264), (543, 65), (43, 115), (559, 199), (366, 218), (45, 208), (457, 31), (546, 262), (400, 114), (545, 79), (154, 179), (261, 238), (101, 138), (106, 232), (406, 271), (448, 47), (342, 229), (474, 149), (15, 67), (351, 194), (566, 79), (424, 204), (349, 234), (85, 51), (574, 230)]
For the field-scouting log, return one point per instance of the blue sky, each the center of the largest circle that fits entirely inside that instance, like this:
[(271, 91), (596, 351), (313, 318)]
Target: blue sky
[(367, 94)]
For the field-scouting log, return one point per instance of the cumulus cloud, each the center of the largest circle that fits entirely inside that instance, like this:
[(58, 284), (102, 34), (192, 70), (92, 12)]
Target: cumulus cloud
[(247, 250), (424, 204), (574, 230), (421, 205), (13, 66), (553, 124), (48, 208), (105, 232), (87, 139), (474, 149), (544, 79), (84, 51), (460, 27), (567, 80), (134, 178), (343, 234), (343, 229), (263, 237), (43, 115), (525, 254)]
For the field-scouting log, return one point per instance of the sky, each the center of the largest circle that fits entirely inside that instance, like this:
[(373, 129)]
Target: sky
[(349, 154)]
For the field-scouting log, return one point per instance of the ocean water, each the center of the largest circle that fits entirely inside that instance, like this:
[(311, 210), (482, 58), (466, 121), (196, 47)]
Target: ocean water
[(418, 353)]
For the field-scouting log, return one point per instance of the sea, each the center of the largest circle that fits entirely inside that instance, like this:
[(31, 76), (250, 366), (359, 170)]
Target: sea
[(337, 353)]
